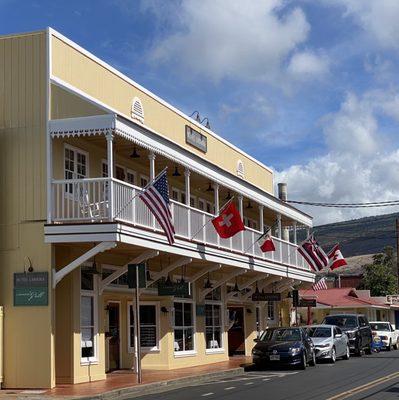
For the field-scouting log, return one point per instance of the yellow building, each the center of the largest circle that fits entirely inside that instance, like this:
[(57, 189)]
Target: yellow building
[(78, 142)]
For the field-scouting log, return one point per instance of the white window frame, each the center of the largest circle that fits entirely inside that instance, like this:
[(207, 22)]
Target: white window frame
[(134, 173), (194, 200), (143, 177), (94, 294), (273, 304), (186, 353), (76, 150), (130, 346), (221, 348)]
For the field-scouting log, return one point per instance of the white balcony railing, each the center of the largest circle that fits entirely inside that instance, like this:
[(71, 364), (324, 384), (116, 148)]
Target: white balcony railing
[(87, 200)]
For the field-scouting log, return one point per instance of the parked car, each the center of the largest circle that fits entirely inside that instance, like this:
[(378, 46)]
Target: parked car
[(284, 346), (329, 341), (386, 332), (356, 327)]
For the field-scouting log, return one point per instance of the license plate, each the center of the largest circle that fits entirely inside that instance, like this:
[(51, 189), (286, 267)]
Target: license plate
[(274, 358)]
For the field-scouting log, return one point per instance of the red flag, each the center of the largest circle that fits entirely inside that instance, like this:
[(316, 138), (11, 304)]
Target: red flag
[(228, 222), (336, 258), (267, 245)]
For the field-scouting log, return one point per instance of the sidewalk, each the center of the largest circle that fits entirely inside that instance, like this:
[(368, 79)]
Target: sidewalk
[(123, 383)]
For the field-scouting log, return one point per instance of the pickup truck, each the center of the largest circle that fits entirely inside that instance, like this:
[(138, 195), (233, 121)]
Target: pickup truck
[(388, 334)]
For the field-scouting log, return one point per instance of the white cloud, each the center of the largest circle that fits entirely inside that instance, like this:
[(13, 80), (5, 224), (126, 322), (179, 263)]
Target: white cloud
[(248, 41), (379, 18), (360, 164), (307, 64)]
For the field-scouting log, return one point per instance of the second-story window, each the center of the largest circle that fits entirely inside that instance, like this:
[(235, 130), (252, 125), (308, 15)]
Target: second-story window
[(75, 165)]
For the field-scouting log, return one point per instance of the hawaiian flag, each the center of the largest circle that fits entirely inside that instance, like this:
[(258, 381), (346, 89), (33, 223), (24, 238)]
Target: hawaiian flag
[(156, 198), (228, 222), (313, 254), (267, 244), (336, 258), (320, 284)]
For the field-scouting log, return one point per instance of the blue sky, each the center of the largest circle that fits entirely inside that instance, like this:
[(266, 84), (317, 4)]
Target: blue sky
[(309, 88)]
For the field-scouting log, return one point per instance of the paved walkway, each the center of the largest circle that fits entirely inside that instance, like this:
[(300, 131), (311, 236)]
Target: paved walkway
[(123, 379)]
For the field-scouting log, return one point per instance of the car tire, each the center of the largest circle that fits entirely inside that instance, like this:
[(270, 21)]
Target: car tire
[(312, 362), (395, 346), (368, 350), (389, 347), (348, 354), (358, 350), (303, 364), (333, 357)]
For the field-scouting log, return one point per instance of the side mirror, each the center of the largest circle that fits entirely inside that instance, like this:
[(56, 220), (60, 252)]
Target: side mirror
[(338, 335), (256, 340)]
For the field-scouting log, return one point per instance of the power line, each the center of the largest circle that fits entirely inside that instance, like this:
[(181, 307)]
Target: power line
[(347, 205)]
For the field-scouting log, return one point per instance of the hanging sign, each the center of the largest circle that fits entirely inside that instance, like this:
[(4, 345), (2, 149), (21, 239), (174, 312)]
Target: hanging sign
[(31, 289), (173, 288), (131, 276), (266, 297), (307, 302)]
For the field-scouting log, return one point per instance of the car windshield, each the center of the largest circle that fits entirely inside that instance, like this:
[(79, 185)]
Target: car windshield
[(282, 335), (318, 332), (341, 321), (380, 327)]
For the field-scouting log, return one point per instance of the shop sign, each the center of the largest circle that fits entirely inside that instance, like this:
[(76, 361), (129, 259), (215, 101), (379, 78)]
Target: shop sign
[(393, 299), (266, 297), (173, 288), (307, 303), (31, 289), (196, 139)]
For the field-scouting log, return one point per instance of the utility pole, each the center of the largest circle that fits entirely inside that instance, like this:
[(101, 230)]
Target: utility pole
[(397, 249)]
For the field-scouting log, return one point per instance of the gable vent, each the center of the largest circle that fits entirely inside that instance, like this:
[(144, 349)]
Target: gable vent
[(137, 110), (240, 169)]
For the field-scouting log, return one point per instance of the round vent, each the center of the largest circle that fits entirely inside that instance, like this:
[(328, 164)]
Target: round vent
[(137, 110), (240, 169)]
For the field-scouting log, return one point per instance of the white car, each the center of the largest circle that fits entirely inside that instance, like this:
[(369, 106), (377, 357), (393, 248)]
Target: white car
[(388, 334)]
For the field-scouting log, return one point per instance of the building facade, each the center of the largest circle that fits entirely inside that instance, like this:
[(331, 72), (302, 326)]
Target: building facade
[(79, 142)]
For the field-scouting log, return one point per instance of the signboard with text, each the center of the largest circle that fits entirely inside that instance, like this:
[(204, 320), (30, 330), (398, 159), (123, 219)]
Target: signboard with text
[(173, 288), (31, 289), (307, 302), (266, 297)]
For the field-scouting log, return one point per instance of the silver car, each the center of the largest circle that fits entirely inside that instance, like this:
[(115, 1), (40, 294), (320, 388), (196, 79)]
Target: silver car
[(329, 341)]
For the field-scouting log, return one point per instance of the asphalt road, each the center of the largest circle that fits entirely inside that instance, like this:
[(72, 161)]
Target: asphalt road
[(343, 380)]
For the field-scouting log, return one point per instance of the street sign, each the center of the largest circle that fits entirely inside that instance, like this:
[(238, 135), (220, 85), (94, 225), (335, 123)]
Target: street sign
[(31, 289), (131, 276), (266, 297), (307, 303), (173, 288)]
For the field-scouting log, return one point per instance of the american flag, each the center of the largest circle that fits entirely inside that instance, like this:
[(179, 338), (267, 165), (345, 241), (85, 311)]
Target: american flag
[(313, 254), (320, 284), (156, 198)]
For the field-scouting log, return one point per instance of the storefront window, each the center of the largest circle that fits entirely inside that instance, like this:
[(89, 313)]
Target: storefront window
[(213, 326), (148, 327), (184, 327), (270, 311), (88, 320)]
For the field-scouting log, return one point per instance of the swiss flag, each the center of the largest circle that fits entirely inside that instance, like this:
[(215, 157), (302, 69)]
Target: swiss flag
[(228, 222), (267, 245), (336, 259)]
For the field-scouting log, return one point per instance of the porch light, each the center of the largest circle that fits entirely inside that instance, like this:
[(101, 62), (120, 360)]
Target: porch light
[(168, 281), (210, 188), (208, 284), (228, 197), (249, 205), (148, 276), (257, 289), (236, 289), (176, 173), (135, 154)]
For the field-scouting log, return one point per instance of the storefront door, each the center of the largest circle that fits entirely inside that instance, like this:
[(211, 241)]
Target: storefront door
[(114, 336), (236, 334)]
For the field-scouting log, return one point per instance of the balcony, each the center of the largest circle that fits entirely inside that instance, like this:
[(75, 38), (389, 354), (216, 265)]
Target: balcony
[(95, 200)]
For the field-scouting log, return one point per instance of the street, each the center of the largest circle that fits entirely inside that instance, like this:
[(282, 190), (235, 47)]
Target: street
[(367, 377)]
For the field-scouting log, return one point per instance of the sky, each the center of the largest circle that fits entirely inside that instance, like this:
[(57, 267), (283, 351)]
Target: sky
[(310, 88)]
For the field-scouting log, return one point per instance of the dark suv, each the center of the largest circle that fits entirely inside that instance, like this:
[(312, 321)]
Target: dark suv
[(356, 327)]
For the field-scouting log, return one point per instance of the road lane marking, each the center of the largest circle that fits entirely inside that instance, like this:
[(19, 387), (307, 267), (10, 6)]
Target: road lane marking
[(207, 394), (362, 388), (266, 379), (230, 388), (249, 383)]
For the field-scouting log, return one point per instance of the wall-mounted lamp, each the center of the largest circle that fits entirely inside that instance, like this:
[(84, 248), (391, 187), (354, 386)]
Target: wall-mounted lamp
[(210, 188), (228, 197), (28, 264), (164, 310), (207, 125), (135, 154), (176, 173), (197, 116), (249, 205), (208, 284)]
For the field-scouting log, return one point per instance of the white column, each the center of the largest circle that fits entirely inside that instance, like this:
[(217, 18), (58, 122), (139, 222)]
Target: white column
[(241, 210), (110, 165), (187, 190), (295, 235), (216, 194), (279, 236), (50, 189), (151, 157), (261, 222)]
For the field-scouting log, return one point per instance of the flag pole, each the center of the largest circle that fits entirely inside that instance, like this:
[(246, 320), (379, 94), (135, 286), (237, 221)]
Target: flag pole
[(142, 191), (209, 220), (261, 236)]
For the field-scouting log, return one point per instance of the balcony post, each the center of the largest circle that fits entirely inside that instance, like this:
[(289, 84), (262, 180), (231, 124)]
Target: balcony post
[(151, 157), (261, 222), (241, 210), (188, 194), (217, 206), (295, 242), (279, 236), (110, 166)]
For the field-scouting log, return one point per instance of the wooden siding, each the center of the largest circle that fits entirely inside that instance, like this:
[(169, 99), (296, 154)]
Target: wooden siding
[(87, 75)]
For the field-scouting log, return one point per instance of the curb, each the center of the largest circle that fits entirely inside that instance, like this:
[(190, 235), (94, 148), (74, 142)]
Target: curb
[(146, 388)]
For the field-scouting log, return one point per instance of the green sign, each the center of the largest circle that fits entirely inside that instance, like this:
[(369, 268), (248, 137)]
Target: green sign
[(173, 288), (200, 310), (131, 275), (31, 289)]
